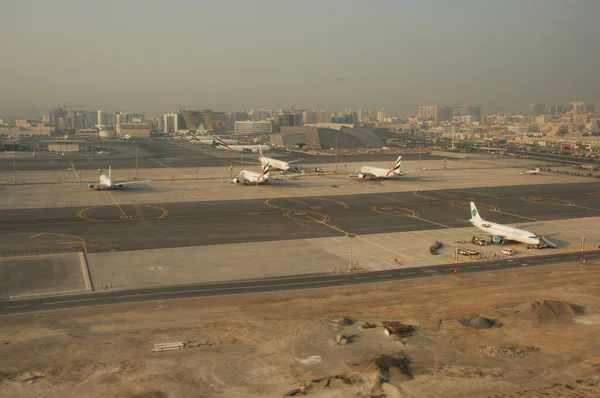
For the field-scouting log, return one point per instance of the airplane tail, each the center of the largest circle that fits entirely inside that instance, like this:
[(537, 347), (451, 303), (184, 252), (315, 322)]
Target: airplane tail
[(109, 171), (265, 171), (220, 142), (396, 168), (474, 213), (397, 164)]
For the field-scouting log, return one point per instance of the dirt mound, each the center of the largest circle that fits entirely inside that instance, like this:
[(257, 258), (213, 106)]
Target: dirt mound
[(479, 322), (340, 322), (548, 310), (505, 353)]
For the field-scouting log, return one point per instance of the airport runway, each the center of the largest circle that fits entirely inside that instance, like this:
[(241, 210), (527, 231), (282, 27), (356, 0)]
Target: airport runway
[(13, 307), (150, 226), (153, 152)]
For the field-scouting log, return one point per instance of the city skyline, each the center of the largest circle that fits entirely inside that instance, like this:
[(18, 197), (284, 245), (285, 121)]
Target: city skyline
[(151, 56)]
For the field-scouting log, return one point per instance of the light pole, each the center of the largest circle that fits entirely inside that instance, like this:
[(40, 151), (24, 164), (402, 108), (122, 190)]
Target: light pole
[(351, 236), (336, 154), (14, 166), (137, 177)]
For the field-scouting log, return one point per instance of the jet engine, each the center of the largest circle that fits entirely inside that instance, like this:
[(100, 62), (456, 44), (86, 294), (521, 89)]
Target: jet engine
[(236, 180), (361, 176), (497, 240), (91, 185)]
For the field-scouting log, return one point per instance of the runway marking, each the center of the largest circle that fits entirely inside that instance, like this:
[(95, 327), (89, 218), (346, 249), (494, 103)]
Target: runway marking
[(36, 235), (68, 243), (299, 201), (397, 211), (346, 205), (123, 214), (171, 168), (18, 306)]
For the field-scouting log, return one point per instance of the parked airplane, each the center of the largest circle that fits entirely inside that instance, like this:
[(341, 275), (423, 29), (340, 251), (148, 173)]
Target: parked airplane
[(531, 172), (249, 177), (221, 144), (106, 182), (378, 172), (501, 233), (208, 141), (276, 164)]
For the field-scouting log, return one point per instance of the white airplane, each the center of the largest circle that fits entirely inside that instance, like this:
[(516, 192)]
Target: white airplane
[(378, 172), (276, 164), (501, 233), (106, 182), (247, 177), (531, 172), (220, 144), (195, 140)]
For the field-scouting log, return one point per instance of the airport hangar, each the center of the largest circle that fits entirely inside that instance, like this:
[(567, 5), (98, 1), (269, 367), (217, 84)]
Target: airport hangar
[(327, 135)]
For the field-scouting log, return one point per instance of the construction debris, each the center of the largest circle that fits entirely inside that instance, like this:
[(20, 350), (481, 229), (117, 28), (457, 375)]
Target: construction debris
[(504, 353), (398, 329), (179, 345), (341, 339), (437, 245)]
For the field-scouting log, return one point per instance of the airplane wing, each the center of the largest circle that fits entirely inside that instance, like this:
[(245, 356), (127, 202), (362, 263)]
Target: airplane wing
[(131, 182), (356, 172), (402, 172)]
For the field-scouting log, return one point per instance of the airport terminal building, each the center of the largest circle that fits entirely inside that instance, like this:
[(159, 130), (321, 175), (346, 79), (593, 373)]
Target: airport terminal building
[(327, 135)]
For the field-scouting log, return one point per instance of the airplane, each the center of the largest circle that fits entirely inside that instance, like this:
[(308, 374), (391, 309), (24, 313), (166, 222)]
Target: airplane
[(378, 172), (501, 233), (194, 139), (106, 182), (531, 172), (276, 164), (247, 177), (220, 144)]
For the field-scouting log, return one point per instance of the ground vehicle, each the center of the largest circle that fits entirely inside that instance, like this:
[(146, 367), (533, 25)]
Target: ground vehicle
[(467, 252), (507, 252), (478, 241)]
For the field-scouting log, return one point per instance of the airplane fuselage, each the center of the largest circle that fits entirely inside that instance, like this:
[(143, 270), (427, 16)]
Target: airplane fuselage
[(375, 172), (253, 178), (506, 232), (275, 164)]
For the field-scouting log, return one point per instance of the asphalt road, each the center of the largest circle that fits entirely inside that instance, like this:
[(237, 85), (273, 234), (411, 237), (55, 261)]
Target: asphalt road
[(277, 284), (122, 155), (105, 228)]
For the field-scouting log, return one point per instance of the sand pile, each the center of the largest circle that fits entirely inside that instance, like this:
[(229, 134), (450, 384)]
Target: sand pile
[(340, 322), (547, 310), (479, 322), (505, 353)]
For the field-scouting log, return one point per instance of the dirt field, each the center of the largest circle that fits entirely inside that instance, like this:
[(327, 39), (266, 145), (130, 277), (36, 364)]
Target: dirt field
[(270, 344)]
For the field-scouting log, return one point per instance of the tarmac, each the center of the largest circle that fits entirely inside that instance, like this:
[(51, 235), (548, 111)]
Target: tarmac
[(113, 225), (187, 226), (151, 153), (53, 274)]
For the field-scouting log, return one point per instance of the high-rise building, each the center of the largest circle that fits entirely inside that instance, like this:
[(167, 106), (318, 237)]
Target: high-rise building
[(189, 120), (578, 107), (288, 118), (554, 110), (309, 117), (323, 117), (170, 124), (56, 114), (248, 127), (344, 118), (537, 109), (381, 115), (359, 115)]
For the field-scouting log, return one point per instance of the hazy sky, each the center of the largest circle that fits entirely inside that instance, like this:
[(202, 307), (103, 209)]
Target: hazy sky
[(155, 55)]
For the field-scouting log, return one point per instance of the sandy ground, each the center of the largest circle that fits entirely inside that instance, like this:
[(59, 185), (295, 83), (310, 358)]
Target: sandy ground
[(265, 345)]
